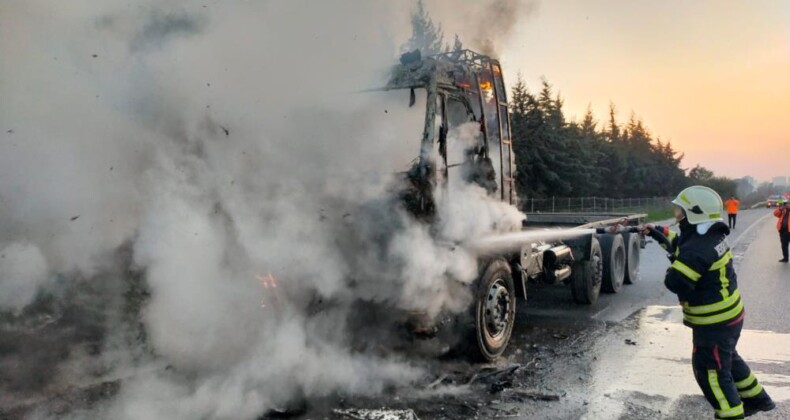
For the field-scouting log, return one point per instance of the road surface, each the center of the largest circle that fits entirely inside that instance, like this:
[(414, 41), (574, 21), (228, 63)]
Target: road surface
[(627, 357)]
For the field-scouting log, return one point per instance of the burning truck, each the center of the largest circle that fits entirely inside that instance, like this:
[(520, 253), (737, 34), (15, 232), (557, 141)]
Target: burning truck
[(463, 90)]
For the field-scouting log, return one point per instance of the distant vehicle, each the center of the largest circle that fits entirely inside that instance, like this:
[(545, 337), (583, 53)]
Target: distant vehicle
[(773, 201)]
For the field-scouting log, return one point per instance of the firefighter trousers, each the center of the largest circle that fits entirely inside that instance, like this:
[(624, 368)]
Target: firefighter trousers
[(726, 381)]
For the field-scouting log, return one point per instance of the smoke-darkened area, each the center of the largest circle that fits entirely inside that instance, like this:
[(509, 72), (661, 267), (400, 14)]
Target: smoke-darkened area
[(197, 217)]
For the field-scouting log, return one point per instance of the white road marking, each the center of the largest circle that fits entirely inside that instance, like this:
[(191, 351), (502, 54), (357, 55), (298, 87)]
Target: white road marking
[(748, 229)]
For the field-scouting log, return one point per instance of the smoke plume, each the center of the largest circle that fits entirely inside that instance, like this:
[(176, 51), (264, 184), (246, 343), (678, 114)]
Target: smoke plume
[(484, 25), (194, 204)]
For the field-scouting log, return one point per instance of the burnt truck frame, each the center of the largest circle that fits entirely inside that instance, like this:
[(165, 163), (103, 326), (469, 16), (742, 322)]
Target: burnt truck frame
[(588, 263)]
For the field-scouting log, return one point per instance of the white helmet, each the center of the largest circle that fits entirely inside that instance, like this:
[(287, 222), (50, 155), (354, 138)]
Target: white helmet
[(701, 204)]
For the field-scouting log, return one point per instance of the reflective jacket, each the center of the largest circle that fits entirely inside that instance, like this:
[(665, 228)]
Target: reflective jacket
[(703, 277), (732, 206), (781, 214)]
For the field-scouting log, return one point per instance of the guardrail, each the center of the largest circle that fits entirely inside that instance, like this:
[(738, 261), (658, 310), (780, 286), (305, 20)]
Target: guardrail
[(592, 204)]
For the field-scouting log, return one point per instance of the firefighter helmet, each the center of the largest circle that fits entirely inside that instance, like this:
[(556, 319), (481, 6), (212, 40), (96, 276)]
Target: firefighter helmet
[(701, 204)]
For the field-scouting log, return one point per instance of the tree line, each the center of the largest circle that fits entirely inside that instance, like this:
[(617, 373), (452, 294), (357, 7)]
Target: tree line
[(556, 156)]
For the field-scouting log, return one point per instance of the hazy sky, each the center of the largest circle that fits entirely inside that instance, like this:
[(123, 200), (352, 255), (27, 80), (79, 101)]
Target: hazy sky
[(711, 76)]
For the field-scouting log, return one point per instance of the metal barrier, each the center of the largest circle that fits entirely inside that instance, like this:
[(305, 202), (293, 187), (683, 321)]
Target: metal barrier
[(592, 204)]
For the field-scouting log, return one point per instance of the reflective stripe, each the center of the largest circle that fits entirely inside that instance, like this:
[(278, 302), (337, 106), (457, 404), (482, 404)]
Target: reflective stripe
[(686, 270), (715, 319), (752, 392), (725, 283), (721, 266), (746, 382), (735, 412), (721, 262), (713, 382), (713, 307)]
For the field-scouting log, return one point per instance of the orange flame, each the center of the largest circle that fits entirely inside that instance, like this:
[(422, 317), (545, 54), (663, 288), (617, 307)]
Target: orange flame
[(268, 281), (485, 85)]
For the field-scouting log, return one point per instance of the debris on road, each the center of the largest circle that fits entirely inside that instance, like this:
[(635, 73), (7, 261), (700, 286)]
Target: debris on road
[(437, 382), (535, 395), (377, 414), (630, 342), (489, 372)]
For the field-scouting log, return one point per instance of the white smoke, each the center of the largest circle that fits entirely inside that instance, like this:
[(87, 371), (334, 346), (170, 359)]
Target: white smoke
[(23, 271), (223, 141)]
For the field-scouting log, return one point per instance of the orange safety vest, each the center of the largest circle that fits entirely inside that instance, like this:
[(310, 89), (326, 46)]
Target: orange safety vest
[(780, 214), (732, 206)]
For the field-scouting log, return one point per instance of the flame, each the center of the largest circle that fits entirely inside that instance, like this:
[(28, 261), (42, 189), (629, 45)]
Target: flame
[(268, 281), (486, 85)]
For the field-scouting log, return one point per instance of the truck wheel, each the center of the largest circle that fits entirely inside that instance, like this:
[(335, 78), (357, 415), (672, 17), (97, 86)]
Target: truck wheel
[(587, 277), (633, 248), (613, 250), (495, 310)]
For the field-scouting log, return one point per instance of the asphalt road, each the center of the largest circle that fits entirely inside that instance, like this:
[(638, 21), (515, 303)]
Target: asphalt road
[(640, 366)]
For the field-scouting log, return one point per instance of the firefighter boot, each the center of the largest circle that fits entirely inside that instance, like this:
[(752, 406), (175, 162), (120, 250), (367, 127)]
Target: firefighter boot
[(753, 395), (754, 405)]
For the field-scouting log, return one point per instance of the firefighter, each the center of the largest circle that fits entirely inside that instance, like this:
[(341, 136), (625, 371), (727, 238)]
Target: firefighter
[(783, 225), (732, 205), (703, 277)]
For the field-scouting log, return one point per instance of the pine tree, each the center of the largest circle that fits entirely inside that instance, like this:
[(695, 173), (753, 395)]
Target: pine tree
[(457, 44), (426, 36)]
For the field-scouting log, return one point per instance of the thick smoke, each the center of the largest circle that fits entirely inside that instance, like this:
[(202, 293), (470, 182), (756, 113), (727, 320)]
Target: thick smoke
[(497, 21), (23, 271), (483, 25), (200, 185)]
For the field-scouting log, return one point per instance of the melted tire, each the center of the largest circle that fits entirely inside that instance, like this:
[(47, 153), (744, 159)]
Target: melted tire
[(614, 262), (587, 277)]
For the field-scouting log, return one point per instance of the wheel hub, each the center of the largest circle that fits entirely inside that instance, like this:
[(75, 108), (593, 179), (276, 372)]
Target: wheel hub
[(497, 309)]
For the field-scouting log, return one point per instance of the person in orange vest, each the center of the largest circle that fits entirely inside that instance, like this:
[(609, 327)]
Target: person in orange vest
[(732, 210), (783, 225)]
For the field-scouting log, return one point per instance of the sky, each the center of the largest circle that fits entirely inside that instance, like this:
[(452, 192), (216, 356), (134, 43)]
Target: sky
[(711, 76)]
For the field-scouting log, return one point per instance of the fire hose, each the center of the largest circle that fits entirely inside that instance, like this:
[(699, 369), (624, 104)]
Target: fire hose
[(654, 233)]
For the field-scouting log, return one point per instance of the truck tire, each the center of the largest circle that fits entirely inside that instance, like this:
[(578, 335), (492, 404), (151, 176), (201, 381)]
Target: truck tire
[(633, 248), (613, 250), (494, 311), (587, 277)]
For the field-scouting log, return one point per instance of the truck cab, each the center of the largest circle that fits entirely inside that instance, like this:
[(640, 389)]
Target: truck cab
[(461, 87)]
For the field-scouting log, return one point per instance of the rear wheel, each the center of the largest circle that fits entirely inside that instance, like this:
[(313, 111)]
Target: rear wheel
[(587, 276), (613, 263), (633, 248), (495, 310)]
